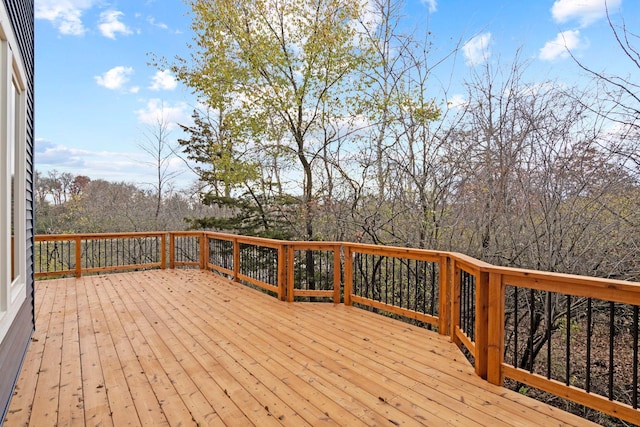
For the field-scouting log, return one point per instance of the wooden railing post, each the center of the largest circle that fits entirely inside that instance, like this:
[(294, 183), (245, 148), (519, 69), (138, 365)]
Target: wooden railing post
[(78, 241), (348, 274), (482, 323), (283, 268), (495, 339), (172, 251), (337, 268), (204, 251), (444, 299)]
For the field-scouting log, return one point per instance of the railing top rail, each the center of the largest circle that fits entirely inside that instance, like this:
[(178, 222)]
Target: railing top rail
[(584, 286), (93, 236), (185, 233), (394, 250), (470, 261), (303, 245), (274, 243)]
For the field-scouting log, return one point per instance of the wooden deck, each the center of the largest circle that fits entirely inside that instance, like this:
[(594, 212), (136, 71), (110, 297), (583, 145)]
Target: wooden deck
[(178, 347)]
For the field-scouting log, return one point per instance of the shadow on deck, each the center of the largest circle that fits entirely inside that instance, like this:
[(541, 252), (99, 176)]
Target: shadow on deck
[(187, 347)]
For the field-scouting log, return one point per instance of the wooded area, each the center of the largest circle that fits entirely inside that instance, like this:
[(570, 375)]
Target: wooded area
[(320, 124), (323, 124)]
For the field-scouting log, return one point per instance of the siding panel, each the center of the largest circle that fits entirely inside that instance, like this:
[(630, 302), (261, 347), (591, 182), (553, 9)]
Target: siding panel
[(16, 342)]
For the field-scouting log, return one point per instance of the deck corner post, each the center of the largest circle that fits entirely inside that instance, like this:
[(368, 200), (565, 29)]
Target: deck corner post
[(482, 324), (495, 339), (444, 298), (78, 240)]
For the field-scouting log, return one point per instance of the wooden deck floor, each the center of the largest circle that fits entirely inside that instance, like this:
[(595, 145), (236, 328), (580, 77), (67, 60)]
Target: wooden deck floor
[(180, 347)]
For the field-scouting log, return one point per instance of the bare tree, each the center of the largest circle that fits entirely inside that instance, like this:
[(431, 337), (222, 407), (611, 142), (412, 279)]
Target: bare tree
[(158, 145), (621, 93)]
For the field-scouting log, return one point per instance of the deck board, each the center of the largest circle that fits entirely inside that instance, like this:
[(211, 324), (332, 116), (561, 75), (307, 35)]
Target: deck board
[(187, 347)]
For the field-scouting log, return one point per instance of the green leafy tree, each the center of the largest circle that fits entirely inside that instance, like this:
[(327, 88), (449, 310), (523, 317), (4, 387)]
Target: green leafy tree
[(229, 169), (280, 71)]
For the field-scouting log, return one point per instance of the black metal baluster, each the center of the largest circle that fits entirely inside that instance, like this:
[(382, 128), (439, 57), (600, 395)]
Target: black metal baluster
[(400, 279), (464, 309), (532, 309), (471, 305), (469, 313), (463, 302), (548, 332), (634, 392), (306, 270), (357, 273), (432, 302), (568, 343), (472, 321), (468, 308), (515, 327), (415, 291), (322, 280), (386, 285), (589, 332), (368, 275), (393, 282), (612, 331)]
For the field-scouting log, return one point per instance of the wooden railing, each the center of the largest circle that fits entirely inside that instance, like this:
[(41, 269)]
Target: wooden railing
[(78, 254), (572, 336)]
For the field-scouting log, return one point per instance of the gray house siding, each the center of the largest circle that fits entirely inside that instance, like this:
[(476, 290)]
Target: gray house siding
[(16, 342)]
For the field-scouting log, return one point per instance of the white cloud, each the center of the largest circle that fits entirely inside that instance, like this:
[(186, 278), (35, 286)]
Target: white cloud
[(433, 5), (131, 167), (163, 80), (457, 101), (116, 78), (158, 111), (560, 47), (584, 11), (82, 161), (110, 24), (151, 20), (65, 15), (476, 51)]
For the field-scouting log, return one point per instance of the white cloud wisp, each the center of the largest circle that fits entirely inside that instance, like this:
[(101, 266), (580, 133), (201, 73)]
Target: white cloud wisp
[(560, 47), (110, 24), (476, 51), (584, 11), (116, 78), (158, 111), (163, 80), (64, 15)]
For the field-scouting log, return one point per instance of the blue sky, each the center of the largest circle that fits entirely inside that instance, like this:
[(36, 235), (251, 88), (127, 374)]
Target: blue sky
[(97, 99)]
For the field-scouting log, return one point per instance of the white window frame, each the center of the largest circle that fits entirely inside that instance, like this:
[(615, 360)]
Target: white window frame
[(13, 135)]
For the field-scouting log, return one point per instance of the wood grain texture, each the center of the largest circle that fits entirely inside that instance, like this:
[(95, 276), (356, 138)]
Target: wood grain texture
[(188, 347)]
